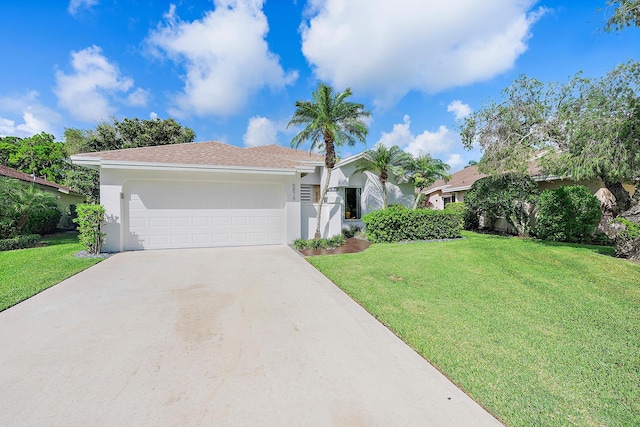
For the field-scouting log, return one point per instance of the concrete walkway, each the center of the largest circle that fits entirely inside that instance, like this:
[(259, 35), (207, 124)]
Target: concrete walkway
[(233, 336)]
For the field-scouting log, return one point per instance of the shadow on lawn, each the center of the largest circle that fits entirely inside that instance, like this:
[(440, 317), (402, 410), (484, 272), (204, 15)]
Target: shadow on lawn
[(602, 250), (62, 238)]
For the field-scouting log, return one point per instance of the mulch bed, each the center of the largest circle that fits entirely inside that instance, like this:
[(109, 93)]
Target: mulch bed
[(351, 246)]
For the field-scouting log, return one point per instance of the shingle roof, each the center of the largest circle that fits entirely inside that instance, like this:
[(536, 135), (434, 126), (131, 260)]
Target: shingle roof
[(13, 173), (463, 179), (211, 154)]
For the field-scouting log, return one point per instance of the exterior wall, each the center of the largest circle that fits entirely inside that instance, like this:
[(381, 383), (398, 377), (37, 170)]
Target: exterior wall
[(113, 183), (64, 201)]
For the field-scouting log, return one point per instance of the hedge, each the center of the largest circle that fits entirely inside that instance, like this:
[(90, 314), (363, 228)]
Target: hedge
[(42, 221), (20, 242), (567, 214), (396, 224)]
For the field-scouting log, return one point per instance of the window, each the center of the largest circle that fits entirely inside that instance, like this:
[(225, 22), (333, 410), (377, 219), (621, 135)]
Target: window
[(310, 193), (449, 199), (351, 203)]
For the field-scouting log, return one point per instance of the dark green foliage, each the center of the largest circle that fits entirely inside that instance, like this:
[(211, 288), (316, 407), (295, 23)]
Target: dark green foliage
[(90, 220), (457, 208), (351, 231), (398, 223), (19, 242), (510, 195), (43, 221), (19, 202), (39, 155), (315, 244), (567, 214)]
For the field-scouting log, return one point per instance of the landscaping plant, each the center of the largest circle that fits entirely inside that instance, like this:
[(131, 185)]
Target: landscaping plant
[(90, 219), (567, 214)]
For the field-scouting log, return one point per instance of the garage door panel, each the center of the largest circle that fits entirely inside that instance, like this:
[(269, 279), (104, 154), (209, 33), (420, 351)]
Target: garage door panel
[(183, 214)]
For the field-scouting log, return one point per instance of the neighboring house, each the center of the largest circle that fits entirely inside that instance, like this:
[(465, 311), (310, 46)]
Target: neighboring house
[(211, 194), (65, 195), (454, 190)]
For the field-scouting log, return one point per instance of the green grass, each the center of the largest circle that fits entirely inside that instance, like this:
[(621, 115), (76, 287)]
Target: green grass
[(539, 334), (25, 272)]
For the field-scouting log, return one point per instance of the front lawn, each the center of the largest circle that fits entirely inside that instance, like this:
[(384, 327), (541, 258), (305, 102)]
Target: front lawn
[(538, 333), (25, 272)]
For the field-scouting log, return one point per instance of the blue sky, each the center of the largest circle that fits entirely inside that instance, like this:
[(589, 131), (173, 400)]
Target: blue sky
[(232, 69)]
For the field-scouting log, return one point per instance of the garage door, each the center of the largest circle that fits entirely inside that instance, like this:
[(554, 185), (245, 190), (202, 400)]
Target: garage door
[(169, 214)]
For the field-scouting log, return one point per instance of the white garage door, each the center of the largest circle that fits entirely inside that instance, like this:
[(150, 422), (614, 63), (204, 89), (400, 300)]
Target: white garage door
[(169, 214)]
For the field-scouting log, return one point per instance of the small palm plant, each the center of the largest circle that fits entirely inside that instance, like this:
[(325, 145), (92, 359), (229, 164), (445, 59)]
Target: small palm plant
[(382, 161), (424, 171)]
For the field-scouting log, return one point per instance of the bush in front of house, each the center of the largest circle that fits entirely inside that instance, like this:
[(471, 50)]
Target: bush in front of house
[(19, 242), (43, 221), (397, 223), (90, 219), (316, 244), (457, 208), (567, 214)]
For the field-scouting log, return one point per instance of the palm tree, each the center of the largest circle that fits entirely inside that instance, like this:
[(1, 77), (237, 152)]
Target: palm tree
[(381, 160), (329, 121), (424, 171)]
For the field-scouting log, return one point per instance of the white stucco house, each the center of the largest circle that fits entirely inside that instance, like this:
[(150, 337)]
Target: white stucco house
[(209, 194)]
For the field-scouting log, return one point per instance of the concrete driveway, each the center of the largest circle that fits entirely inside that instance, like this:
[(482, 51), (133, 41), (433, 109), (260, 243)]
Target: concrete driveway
[(229, 336)]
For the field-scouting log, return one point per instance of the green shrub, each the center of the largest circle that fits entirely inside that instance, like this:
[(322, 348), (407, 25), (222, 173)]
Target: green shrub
[(90, 220), (44, 221), (316, 244), (396, 224), (510, 196), (567, 214), (351, 231), (457, 208), (19, 242)]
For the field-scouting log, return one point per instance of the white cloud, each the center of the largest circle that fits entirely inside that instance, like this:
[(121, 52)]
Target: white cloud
[(87, 92), (389, 48), (459, 109), (225, 55), (455, 161), (25, 116), (138, 98), (261, 131), (153, 115), (437, 142), (76, 5)]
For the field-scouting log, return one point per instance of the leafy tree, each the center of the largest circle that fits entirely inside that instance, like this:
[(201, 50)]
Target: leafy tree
[(622, 14), (329, 121), (39, 155), (383, 160), (585, 128), (510, 195), (128, 133), (424, 170)]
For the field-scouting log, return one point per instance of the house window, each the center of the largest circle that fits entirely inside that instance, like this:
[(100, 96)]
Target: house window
[(449, 199), (310, 193), (351, 203)]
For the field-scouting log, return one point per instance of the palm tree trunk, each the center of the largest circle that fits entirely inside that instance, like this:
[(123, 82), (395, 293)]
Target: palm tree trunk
[(415, 203), (322, 196)]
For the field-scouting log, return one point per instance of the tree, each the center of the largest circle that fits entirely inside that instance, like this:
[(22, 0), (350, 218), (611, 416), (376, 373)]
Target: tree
[(383, 160), (39, 155), (329, 121), (128, 133), (622, 14), (583, 129), (510, 195), (424, 170)]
